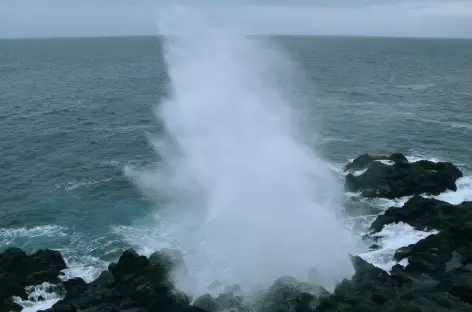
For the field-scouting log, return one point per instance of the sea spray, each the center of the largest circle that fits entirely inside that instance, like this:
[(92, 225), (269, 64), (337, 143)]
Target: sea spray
[(241, 195)]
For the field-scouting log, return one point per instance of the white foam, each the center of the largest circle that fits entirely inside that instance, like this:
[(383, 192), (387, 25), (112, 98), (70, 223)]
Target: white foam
[(40, 297), (128, 128), (403, 262), (380, 203), (463, 193), (461, 125), (393, 237), (248, 202), (416, 158), (74, 184), (86, 267), (416, 87), (359, 172), (386, 162), (10, 236), (110, 163), (337, 169)]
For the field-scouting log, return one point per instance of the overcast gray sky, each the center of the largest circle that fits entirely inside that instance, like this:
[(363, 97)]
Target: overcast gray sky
[(419, 18)]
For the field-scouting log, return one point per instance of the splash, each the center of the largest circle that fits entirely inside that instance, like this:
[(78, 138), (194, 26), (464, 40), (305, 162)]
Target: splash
[(239, 191)]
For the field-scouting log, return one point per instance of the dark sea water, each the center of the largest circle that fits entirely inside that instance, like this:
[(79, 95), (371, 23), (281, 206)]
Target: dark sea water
[(74, 113)]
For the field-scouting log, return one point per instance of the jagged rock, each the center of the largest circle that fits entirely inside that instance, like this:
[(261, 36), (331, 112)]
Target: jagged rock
[(458, 282), (437, 277), (365, 160), (288, 295), (401, 178), (74, 287), (18, 270), (372, 289), (134, 283), (170, 258), (437, 254), (63, 307), (423, 214), (375, 247)]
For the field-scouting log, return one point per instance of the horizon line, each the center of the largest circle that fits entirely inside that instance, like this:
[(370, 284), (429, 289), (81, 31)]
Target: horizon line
[(258, 35)]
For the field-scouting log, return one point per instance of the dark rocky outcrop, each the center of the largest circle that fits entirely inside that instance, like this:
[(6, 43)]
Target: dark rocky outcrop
[(372, 289), (135, 283), (365, 160), (424, 213), (18, 270), (436, 278), (287, 294), (401, 178)]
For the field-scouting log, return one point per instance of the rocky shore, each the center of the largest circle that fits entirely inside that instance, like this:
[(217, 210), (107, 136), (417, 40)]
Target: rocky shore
[(437, 275)]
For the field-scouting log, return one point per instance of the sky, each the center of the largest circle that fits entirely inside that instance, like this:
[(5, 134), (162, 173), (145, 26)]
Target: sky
[(83, 18)]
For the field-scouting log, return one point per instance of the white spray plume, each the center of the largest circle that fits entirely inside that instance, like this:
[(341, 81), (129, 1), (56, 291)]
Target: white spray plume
[(246, 200)]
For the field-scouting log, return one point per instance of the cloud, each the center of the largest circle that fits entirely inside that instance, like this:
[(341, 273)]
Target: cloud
[(423, 18), (384, 18)]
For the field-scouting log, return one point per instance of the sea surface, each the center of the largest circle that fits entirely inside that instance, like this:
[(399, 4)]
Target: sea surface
[(76, 114)]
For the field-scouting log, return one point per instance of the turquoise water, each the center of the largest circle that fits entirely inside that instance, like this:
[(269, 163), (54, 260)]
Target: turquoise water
[(76, 112)]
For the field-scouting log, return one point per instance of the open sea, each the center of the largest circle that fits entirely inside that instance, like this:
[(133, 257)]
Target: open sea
[(78, 118)]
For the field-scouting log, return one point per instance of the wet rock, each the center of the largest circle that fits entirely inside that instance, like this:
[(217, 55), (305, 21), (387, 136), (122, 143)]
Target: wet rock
[(424, 214), (288, 295), (372, 289), (401, 178), (134, 283), (375, 247), (364, 161), (18, 270)]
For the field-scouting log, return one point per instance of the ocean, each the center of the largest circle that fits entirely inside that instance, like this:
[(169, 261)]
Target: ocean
[(80, 117)]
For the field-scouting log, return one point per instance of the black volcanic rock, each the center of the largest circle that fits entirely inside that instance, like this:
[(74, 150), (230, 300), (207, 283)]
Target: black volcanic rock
[(287, 294), (437, 276), (423, 213), (372, 289), (401, 178), (365, 160), (18, 270), (134, 283)]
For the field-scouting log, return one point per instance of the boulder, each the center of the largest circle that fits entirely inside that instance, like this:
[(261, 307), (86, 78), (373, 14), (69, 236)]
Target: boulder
[(371, 289), (134, 283), (438, 254), (18, 270), (401, 178), (365, 160), (289, 295), (423, 214)]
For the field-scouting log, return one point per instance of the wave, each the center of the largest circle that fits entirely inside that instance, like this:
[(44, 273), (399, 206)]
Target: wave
[(461, 125), (74, 184), (75, 247), (40, 297), (416, 87), (128, 128), (391, 238), (463, 193), (24, 236), (394, 236)]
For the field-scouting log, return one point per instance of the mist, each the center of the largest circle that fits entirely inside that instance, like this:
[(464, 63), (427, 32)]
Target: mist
[(246, 199)]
